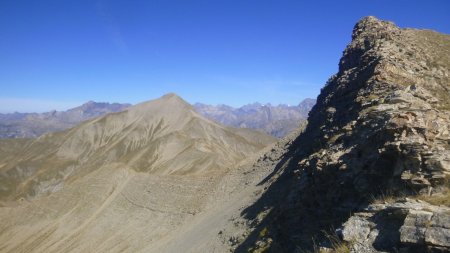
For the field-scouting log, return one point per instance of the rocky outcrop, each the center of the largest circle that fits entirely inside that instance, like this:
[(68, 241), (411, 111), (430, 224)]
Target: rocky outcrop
[(383, 112), (410, 225), (380, 127)]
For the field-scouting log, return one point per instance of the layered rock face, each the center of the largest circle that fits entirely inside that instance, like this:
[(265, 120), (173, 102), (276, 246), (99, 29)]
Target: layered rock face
[(407, 226), (386, 111), (380, 128)]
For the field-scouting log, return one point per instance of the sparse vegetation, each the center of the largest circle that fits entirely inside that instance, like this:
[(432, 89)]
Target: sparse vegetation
[(263, 243), (384, 197), (264, 232), (437, 199), (337, 245), (440, 198), (373, 97), (342, 247), (335, 137), (263, 249)]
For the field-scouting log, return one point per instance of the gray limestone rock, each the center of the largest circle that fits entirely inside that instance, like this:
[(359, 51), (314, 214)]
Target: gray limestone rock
[(419, 225)]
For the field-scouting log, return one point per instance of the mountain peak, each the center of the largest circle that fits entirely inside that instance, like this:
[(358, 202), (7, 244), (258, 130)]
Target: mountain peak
[(170, 108), (87, 105), (170, 95), (369, 21), (374, 27), (169, 101), (174, 99), (368, 38), (90, 102)]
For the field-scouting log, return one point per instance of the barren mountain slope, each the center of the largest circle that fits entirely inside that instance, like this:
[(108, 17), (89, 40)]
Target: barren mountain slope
[(116, 183), (163, 136), (31, 125), (221, 226)]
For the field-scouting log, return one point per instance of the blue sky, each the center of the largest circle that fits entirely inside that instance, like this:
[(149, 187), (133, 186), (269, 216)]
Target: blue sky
[(58, 54)]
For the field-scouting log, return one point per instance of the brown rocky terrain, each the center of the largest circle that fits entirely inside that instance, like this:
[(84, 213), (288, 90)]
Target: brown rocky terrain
[(371, 171)]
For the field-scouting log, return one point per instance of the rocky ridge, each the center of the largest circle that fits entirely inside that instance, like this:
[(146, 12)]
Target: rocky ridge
[(380, 127)]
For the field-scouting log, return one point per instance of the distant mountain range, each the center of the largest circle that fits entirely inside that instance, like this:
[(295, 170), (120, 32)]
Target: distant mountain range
[(30, 125), (274, 120)]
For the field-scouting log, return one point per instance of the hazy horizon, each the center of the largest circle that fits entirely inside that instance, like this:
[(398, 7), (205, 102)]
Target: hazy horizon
[(40, 106)]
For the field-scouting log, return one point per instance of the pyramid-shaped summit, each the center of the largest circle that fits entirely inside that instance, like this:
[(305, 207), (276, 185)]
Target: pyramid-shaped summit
[(162, 136), (170, 106)]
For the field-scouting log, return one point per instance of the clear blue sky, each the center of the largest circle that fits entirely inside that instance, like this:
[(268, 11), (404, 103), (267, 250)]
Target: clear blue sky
[(60, 53)]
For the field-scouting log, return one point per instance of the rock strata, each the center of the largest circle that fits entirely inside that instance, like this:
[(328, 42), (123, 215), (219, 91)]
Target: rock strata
[(404, 223)]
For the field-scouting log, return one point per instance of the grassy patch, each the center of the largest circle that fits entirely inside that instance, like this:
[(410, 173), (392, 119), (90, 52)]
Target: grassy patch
[(384, 198), (263, 249), (334, 138), (437, 199), (373, 97), (440, 198), (264, 232), (337, 245)]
